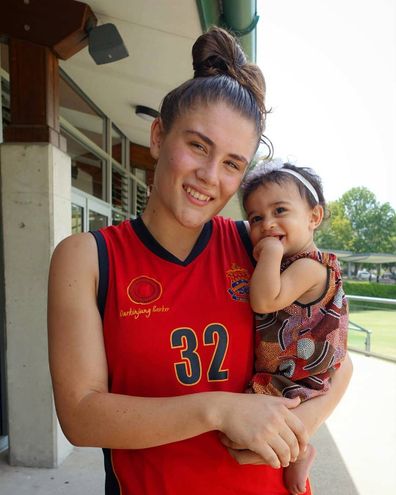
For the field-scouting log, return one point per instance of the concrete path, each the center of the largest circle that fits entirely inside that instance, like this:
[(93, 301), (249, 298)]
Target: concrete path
[(80, 474), (363, 427), (356, 447)]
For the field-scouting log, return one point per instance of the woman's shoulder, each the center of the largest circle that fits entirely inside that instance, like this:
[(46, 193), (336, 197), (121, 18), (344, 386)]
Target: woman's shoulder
[(75, 257), (75, 244)]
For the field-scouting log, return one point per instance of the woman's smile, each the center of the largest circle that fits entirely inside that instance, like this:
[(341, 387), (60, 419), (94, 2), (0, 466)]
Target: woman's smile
[(202, 198)]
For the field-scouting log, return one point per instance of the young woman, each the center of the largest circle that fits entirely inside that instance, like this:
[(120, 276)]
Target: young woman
[(150, 329)]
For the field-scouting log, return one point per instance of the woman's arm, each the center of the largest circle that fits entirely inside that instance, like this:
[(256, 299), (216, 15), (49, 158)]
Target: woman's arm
[(92, 416)]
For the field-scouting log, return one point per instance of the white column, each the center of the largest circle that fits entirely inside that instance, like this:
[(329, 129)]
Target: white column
[(36, 211)]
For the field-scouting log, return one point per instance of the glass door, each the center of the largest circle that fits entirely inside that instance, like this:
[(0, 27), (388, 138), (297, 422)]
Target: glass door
[(88, 213), (99, 215)]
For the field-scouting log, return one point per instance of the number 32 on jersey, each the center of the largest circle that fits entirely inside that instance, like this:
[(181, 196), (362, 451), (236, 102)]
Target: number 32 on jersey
[(189, 369)]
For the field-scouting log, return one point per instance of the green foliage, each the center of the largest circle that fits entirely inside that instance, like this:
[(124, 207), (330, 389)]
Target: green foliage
[(336, 232), (359, 223), (369, 289)]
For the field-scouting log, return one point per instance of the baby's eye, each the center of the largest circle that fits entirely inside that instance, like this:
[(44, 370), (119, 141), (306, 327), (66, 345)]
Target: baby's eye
[(280, 210), (255, 219)]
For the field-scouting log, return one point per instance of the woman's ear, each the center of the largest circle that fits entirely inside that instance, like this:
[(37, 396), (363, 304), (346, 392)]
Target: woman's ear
[(317, 216), (156, 136)]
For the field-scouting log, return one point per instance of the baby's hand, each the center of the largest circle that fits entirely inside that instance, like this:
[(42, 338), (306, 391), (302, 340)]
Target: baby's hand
[(268, 246)]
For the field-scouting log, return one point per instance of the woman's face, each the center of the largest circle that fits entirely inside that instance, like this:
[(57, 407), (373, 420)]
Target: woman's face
[(200, 162)]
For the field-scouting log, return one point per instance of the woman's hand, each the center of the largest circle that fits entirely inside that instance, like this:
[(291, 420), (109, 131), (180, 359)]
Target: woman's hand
[(260, 429), (311, 414)]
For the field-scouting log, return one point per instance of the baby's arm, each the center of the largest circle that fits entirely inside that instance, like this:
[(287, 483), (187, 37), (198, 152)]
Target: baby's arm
[(270, 290)]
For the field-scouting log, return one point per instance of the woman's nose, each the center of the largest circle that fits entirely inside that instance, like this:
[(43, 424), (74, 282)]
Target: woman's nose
[(208, 172)]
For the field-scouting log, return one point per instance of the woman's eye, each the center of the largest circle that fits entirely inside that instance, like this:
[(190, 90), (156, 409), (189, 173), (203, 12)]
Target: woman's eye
[(198, 146), (233, 165)]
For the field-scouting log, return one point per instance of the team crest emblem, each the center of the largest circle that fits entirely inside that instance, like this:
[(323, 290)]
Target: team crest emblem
[(144, 290), (239, 283)]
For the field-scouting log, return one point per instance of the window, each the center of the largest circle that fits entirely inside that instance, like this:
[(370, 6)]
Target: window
[(117, 145), (101, 167), (138, 191), (119, 190), (77, 219), (88, 213), (87, 168), (80, 112), (117, 218)]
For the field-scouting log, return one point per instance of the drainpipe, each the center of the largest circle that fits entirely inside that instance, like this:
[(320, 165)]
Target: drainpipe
[(238, 16)]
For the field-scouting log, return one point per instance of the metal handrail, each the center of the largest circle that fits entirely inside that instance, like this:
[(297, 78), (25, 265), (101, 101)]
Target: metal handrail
[(359, 328), (367, 340), (371, 299)]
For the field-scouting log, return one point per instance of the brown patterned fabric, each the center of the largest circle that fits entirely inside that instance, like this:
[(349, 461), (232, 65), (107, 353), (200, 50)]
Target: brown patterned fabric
[(299, 347)]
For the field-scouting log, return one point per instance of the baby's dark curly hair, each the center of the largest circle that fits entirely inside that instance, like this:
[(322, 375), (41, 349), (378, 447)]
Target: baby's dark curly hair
[(264, 174)]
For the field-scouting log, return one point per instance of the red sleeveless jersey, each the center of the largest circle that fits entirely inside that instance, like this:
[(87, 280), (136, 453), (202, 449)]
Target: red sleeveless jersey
[(176, 327)]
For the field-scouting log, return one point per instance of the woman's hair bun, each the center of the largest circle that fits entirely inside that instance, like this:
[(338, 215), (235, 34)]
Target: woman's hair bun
[(217, 52), (221, 75)]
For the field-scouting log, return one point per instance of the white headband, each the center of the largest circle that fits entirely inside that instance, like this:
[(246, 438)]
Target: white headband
[(303, 180), (278, 166)]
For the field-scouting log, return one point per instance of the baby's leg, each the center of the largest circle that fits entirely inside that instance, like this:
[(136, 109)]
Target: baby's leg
[(296, 474)]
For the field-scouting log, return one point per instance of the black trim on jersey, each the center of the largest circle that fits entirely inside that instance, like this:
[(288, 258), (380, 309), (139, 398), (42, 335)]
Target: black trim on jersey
[(151, 243), (112, 487), (103, 258), (241, 226)]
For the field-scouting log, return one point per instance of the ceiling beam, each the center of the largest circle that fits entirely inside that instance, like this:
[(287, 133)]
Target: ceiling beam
[(59, 25)]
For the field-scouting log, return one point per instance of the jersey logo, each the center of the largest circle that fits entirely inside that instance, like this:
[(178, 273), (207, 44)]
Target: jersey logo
[(144, 290), (239, 283)]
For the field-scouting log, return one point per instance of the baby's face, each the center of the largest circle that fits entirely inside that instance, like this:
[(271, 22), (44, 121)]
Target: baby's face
[(278, 210)]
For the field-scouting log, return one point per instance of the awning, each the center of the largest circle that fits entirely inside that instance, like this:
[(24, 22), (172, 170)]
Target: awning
[(374, 258)]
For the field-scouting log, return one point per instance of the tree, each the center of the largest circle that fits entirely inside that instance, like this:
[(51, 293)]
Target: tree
[(335, 232), (373, 223), (359, 223)]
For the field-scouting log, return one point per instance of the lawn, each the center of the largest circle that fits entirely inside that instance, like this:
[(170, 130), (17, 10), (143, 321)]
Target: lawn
[(382, 323)]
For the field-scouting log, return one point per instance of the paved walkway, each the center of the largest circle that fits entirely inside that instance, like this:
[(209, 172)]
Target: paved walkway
[(356, 447), (363, 427)]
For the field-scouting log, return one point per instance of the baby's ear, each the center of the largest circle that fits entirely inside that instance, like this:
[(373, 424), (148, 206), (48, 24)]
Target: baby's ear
[(317, 216)]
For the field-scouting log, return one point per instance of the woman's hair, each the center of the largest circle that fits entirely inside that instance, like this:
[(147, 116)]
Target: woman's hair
[(221, 74), (270, 172)]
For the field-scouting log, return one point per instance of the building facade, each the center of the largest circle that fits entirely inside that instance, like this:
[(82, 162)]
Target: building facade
[(70, 162)]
